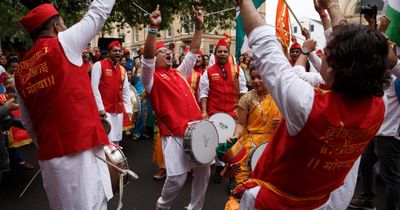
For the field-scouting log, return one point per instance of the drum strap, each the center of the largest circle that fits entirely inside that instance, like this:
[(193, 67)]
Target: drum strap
[(172, 135)]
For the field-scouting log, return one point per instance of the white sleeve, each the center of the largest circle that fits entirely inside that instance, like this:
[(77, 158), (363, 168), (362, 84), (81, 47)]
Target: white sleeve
[(187, 64), (204, 86), (313, 78), (328, 33), (211, 61), (396, 69), (76, 38), (242, 82), (26, 120), (95, 80), (315, 61), (126, 95), (293, 96), (147, 73)]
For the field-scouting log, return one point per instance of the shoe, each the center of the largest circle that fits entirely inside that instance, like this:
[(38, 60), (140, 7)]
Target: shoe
[(359, 202), (25, 166), (160, 174), (217, 178), (134, 137)]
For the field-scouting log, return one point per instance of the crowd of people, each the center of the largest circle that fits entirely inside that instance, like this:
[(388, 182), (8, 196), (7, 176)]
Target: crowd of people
[(325, 117)]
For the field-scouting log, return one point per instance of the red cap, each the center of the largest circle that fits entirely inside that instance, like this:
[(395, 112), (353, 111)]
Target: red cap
[(114, 43), (200, 52), (126, 52), (186, 50), (295, 46), (159, 45), (222, 42), (38, 16), (227, 35)]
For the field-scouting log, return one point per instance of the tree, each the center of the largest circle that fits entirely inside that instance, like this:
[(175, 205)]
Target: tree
[(124, 13)]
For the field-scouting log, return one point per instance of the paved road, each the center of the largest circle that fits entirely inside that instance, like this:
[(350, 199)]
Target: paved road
[(138, 195)]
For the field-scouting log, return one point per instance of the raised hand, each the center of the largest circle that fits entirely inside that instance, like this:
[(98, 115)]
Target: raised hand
[(198, 16), (325, 4), (310, 44), (384, 22), (155, 17), (318, 7), (305, 33)]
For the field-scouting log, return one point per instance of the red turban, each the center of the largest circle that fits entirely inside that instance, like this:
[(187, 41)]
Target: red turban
[(38, 16), (200, 52), (221, 43), (126, 52), (114, 43), (295, 46), (159, 45)]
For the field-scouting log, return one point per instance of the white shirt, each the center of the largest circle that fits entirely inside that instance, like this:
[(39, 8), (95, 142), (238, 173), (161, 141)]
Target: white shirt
[(391, 121), (95, 80), (313, 78), (204, 84)]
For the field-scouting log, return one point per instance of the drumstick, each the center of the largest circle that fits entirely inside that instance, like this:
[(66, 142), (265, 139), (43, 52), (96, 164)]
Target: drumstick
[(29, 183)]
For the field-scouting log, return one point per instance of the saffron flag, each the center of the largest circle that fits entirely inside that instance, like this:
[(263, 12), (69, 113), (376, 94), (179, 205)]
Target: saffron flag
[(392, 8), (282, 23), (240, 34)]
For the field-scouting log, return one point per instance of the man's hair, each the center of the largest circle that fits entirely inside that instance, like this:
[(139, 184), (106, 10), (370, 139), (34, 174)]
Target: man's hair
[(44, 26), (358, 57)]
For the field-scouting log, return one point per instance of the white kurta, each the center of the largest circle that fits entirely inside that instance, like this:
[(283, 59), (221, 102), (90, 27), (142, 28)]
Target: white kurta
[(284, 84), (78, 181), (115, 119)]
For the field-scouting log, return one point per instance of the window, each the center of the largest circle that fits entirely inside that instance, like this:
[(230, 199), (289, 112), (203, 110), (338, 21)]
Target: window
[(295, 29), (311, 28), (136, 34), (211, 49), (168, 32)]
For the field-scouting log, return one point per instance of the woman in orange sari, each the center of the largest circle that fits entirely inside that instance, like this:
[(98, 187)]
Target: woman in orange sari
[(258, 117)]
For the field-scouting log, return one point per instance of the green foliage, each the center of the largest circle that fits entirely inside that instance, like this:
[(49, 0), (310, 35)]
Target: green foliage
[(124, 13)]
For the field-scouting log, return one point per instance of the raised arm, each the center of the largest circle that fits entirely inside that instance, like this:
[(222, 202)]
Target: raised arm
[(150, 44), (76, 38), (333, 8), (250, 16), (323, 15)]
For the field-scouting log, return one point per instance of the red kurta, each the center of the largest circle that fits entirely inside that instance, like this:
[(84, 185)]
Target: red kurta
[(59, 98), (224, 91), (173, 102), (300, 172), (110, 86)]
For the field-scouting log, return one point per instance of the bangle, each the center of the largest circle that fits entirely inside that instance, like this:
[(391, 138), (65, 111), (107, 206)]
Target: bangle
[(333, 5), (199, 27), (153, 30)]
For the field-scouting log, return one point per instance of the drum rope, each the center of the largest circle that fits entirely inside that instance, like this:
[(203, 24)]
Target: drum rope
[(172, 136), (124, 172)]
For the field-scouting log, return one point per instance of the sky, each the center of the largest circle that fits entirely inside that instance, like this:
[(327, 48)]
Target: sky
[(302, 8)]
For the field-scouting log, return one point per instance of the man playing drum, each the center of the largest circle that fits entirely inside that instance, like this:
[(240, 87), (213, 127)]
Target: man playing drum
[(111, 90), (175, 106), (308, 160), (58, 108)]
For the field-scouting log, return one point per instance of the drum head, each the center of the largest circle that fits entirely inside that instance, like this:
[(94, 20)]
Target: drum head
[(225, 125), (257, 154), (204, 141)]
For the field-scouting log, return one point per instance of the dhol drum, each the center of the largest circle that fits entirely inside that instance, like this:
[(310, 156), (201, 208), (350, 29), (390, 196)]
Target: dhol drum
[(200, 141), (135, 100), (116, 157), (255, 154), (225, 125)]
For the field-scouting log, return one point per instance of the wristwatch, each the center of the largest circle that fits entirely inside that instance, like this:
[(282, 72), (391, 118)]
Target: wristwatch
[(304, 51)]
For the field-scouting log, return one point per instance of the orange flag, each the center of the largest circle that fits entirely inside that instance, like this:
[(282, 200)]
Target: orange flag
[(282, 23)]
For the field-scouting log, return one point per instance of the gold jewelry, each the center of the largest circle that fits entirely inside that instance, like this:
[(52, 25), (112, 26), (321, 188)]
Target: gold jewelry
[(333, 5)]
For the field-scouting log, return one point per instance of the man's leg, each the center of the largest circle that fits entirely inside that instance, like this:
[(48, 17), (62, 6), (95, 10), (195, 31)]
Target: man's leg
[(201, 176), (249, 199), (388, 151), (172, 186)]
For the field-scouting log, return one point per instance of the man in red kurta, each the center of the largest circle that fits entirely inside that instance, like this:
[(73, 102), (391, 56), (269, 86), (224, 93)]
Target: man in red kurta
[(175, 106), (58, 108), (311, 161), (111, 90)]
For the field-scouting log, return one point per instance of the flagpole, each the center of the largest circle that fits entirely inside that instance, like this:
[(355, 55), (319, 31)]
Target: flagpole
[(291, 11)]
